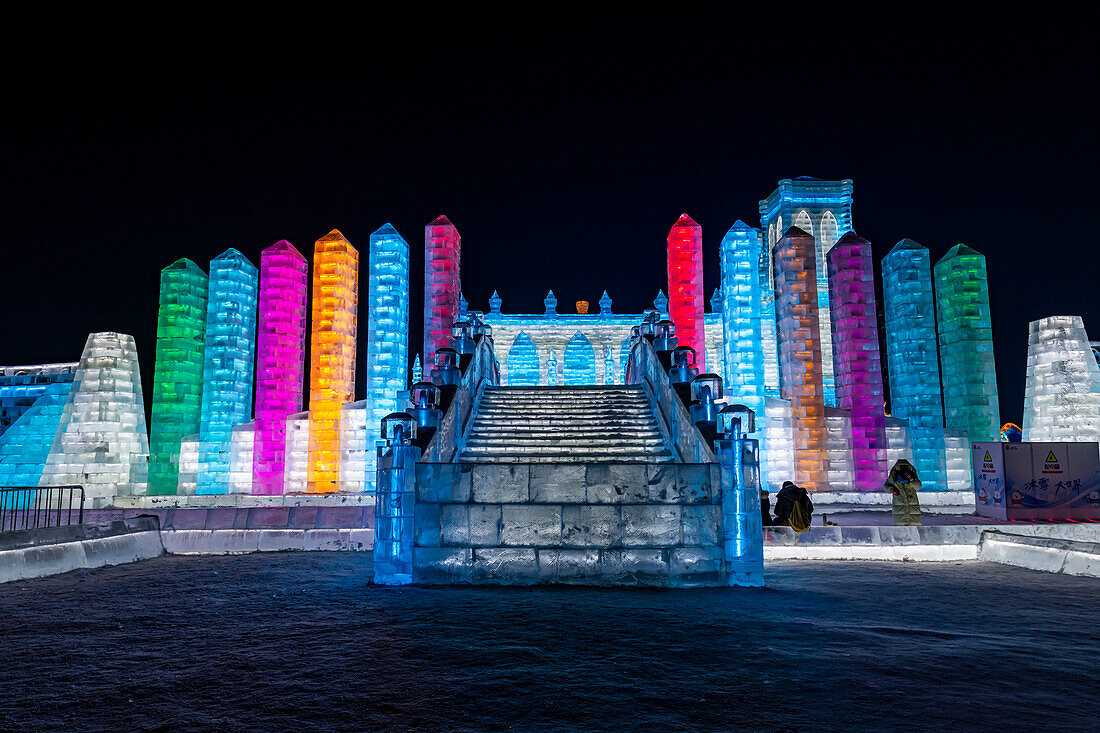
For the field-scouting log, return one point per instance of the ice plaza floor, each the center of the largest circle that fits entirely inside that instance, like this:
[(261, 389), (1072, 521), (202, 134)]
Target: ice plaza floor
[(302, 641)]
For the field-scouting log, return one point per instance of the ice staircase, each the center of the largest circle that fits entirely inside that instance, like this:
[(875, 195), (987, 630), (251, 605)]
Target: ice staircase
[(591, 424)]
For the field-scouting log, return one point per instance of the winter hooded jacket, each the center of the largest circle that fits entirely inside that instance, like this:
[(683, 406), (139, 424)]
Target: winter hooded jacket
[(906, 504)]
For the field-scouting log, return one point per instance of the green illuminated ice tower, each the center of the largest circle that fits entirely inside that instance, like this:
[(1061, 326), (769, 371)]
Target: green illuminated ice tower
[(177, 376), (966, 344)]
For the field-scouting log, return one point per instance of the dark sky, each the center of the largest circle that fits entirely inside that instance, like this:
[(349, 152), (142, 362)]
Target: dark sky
[(563, 157)]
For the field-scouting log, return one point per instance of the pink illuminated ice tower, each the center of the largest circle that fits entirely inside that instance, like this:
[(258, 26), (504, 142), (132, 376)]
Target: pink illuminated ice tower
[(280, 360), (442, 286), (685, 285), (856, 360)]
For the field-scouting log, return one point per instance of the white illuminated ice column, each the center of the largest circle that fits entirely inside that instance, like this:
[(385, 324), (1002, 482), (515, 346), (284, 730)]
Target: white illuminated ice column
[(387, 334), (1062, 390), (741, 314), (102, 443)]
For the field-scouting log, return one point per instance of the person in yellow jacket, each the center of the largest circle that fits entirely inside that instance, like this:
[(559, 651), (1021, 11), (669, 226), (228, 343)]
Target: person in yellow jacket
[(903, 483)]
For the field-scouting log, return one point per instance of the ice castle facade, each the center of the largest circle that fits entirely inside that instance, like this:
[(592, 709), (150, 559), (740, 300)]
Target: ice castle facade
[(1062, 388)]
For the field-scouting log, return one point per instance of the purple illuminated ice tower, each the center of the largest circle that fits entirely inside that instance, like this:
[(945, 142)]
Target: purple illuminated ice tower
[(280, 356), (856, 360)]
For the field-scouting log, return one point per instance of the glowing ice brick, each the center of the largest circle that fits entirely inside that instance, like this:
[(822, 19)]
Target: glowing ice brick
[(442, 284), (579, 361), (387, 334), (228, 365), (915, 392), (25, 444), (899, 443), (296, 473), (966, 345), (356, 447), (779, 454), (280, 360), (332, 355), (685, 285), (1062, 389), (242, 449), (102, 443), (523, 362), (838, 442), (741, 314), (856, 363), (958, 460), (188, 482), (177, 374), (552, 369), (800, 354)]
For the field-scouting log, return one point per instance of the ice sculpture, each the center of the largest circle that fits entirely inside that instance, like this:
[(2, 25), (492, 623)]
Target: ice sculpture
[(1062, 390), (858, 367), (838, 443), (280, 355), (579, 361), (418, 371), (21, 386), (177, 374), (605, 304), (523, 362), (35, 414), (242, 453), (609, 366), (387, 334), (494, 302), (102, 443), (296, 472), (796, 304), (463, 306), (740, 308), (442, 284), (966, 345), (552, 369), (228, 364), (685, 285), (914, 368), (550, 302), (661, 304), (332, 355)]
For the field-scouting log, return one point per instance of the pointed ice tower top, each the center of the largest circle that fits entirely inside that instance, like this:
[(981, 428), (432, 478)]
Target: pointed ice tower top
[(463, 305), (661, 303), (740, 226), (418, 373), (850, 237), (285, 247), (907, 244), (494, 302), (605, 304), (686, 222), (442, 221), (551, 304), (334, 241), (238, 260), (960, 250), (796, 232), (386, 230), (716, 301), (185, 265)]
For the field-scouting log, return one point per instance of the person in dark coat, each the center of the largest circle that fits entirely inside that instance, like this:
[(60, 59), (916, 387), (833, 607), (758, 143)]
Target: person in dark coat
[(793, 507), (903, 483)]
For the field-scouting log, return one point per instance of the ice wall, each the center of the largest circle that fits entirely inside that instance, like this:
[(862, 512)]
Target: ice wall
[(1062, 390)]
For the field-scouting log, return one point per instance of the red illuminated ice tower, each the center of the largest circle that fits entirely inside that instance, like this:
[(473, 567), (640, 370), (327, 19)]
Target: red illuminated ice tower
[(685, 285), (442, 285)]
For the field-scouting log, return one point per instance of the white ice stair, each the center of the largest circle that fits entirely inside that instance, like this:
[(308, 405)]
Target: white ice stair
[(613, 424)]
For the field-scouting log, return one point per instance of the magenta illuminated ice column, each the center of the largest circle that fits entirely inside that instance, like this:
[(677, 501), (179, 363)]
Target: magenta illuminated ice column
[(856, 361), (442, 285), (280, 357)]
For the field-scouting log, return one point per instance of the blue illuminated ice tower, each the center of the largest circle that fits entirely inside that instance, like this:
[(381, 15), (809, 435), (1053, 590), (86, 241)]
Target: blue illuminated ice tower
[(915, 391), (822, 209), (387, 333), (229, 363), (741, 320)]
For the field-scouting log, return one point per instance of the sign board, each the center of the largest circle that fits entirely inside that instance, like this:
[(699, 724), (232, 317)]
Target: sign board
[(1037, 480)]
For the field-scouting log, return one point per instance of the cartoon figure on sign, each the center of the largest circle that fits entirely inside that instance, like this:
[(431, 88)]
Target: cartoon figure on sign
[(1017, 498), (1094, 496), (981, 495)]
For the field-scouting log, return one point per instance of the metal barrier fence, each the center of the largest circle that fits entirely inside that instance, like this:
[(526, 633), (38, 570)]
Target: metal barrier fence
[(31, 507)]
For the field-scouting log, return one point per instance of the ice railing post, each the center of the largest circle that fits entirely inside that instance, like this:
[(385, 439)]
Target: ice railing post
[(395, 503), (742, 523)]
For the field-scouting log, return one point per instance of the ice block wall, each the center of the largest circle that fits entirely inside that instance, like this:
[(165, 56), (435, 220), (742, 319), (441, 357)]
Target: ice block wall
[(177, 374), (387, 334), (25, 444), (1062, 389), (856, 362), (796, 305), (685, 286), (332, 355), (914, 367), (744, 357), (442, 285), (228, 365), (102, 442), (966, 345), (280, 356), (778, 454), (768, 336)]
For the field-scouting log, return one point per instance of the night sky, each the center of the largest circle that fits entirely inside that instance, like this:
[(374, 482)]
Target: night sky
[(562, 157)]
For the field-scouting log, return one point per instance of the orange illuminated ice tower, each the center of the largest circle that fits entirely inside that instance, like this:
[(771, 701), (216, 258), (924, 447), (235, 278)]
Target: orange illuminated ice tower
[(685, 285), (442, 285), (800, 354), (332, 355)]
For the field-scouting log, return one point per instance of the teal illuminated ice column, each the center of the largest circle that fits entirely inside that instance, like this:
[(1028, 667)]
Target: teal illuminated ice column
[(741, 321), (856, 361), (177, 374), (966, 345), (228, 365), (280, 360), (914, 368), (387, 333)]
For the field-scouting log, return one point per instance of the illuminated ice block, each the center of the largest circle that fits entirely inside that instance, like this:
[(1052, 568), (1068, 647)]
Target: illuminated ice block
[(838, 442), (177, 374), (779, 454), (25, 444), (686, 302), (768, 336), (966, 345), (899, 444), (958, 460), (523, 362), (552, 369), (332, 355), (856, 362), (914, 369), (228, 364), (188, 482), (609, 366), (242, 447), (741, 315), (796, 304), (442, 284), (296, 474), (1062, 388), (357, 447), (102, 443), (579, 361), (280, 360), (387, 334), (21, 386)]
